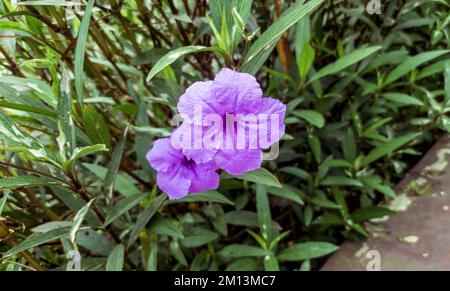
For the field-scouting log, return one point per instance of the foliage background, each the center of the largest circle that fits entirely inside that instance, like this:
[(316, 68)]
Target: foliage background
[(84, 91)]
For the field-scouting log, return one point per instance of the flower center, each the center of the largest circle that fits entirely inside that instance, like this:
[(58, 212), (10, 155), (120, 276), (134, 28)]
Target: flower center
[(188, 163)]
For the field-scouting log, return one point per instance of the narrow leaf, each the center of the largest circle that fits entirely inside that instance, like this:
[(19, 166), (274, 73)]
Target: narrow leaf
[(145, 217), (205, 196), (114, 165), (411, 63), (267, 41), (24, 181), (37, 240), (174, 55), (115, 259), (305, 251), (81, 49), (81, 152), (66, 139), (78, 220), (238, 251), (261, 176), (313, 117), (388, 148), (401, 98), (345, 62), (122, 207), (3, 200)]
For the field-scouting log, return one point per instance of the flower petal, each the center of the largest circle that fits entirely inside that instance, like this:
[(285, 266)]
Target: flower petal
[(163, 156), (191, 139), (198, 97), (175, 184), (271, 113), (204, 178), (238, 162), (232, 89)]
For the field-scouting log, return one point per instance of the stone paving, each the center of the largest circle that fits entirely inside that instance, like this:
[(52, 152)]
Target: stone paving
[(418, 237)]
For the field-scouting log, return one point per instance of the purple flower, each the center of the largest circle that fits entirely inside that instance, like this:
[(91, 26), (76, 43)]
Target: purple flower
[(227, 123), (225, 114), (176, 174)]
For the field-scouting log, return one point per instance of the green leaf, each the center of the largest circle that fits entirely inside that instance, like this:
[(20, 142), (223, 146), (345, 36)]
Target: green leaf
[(243, 7), (81, 152), (375, 125), (42, 89), (324, 202), (198, 238), (124, 184), (177, 253), (52, 225), (37, 240), (67, 138), (348, 145), (287, 192), (238, 251), (433, 69), (122, 207), (71, 200), (260, 50), (307, 59), (374, 183), (145, 217), (99, 243), (78, 220), (261, 176), (115, 259), (313, 117), (3, 200), (302, 38), (306, 266), (345, 62), (163, 226), (329, 219), (302, 174), (245, 264), (205, 196), (50, 3), (331, 163), (389, 58), (271, 263), (402, 99), (447, 86), (242, 217), (113, 168), (15, 182), (316, 148), (263, 212), (11, 133), (174, 55), (340, 181), (17, 27), (221, 13), (96, 128), (152, 261), (411, 63), (80, 50), (306, 251), (388, 148), (27, 108), (367, 213)]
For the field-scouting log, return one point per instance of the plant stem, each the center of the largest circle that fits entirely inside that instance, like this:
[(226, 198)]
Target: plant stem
[(34, 172), (35, 201), (7, 237)]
